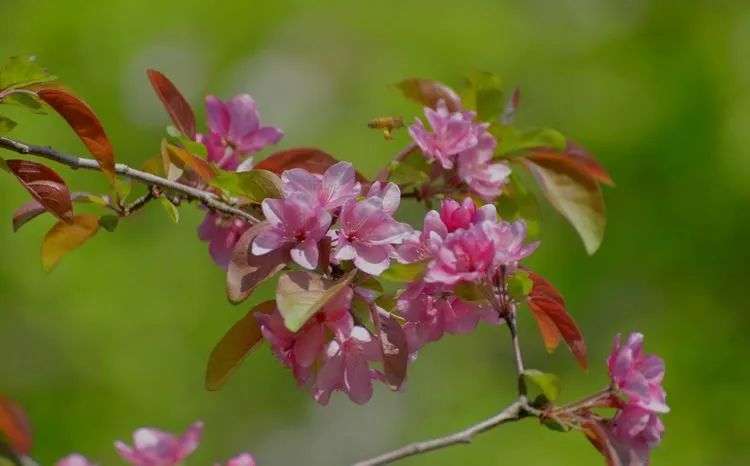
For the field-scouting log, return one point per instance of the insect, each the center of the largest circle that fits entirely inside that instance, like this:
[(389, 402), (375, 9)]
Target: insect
[(387, 124)]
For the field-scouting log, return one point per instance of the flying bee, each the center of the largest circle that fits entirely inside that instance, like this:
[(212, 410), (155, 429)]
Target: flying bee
[(387, 124)]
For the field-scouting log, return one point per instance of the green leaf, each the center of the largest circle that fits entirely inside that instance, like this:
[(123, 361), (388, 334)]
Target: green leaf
[(574, 193), (511, 139), (554, 424), (517, 202), (244, 336), (519, 284), (470, 292), (484, 93), (23, 99), (428, 92), (404, 273), (301, 294), (19, 72), (549, 384), (109, 222), (122, 189), (255, 185), (172, 211), (6, 125), (175, 137)]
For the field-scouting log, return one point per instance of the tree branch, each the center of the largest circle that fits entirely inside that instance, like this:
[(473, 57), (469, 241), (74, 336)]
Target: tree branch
[(209, 199), (514, 412)]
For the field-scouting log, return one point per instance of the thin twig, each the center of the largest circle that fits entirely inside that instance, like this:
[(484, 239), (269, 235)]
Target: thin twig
[(517, 410), (209, 199)]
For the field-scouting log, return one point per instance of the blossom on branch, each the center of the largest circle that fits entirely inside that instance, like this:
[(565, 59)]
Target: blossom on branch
[(153, 447), (329, 191), (638, 376)]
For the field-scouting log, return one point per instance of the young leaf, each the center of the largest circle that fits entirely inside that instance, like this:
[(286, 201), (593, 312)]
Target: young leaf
[(394, 348), (45, 186), (519, 284), (235, 346), (177, 107), (517, 202), (412, 170), (15, 425), (85, 123), (553, 319), (301, 294), (512, 140), (172, 211), (427, 93), (6, 125), (311, 159), (483, 93), (25, 99), (549, 384), (246, 270), (64, 238), (109, 222), (31, 209), (18, 72), (573, 192), (583, 159), (470, 292), (255, 185), (180, 157), (404, 273)]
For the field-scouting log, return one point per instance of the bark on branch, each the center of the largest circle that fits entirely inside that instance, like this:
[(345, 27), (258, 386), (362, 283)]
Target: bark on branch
[(207, 198)]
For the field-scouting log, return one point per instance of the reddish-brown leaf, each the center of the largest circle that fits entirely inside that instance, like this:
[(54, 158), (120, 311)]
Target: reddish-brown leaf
[(246, 270), (85, 123), (395, 350), (235, 346), (15, 425), (583, 159), (29, 210), (45, 186), (428, 92), (548, 308), (64, 238), (180, 158), (177, 107), (311, 159)]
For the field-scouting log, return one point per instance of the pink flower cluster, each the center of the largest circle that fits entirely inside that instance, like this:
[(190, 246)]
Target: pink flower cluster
[(461, 243), (315, 207), (154, 447), (234, 132), (637, 426), (343, 360), (456, 138)]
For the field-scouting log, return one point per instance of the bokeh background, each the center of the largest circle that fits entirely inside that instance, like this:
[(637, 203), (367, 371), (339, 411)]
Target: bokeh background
[(118, 335)]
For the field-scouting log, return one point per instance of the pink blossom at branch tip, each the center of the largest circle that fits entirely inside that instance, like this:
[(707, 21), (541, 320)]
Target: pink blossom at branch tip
[(475, 169), (331, 190), (464, 255), (153, 447), (638, 376), (347, 364), (367, 235), (452, 133), (299, 351), (635, 432), (296, 223), (74, 459), (222, 234), (509, 239), (235, 124), (243, 459)]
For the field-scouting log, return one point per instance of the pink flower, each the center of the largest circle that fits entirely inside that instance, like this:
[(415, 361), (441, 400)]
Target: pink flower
[(418, 246), (474, 168), (464, 255), (509, 241), (337, 185), (74, 459), (222, 234), (452, 133), (637, 375), (367, 235), (296, 223), (389, 195), (235, 130), (457, 216), (153, 447), (346, 367), (299, 351), (243, 459), (634, 432)]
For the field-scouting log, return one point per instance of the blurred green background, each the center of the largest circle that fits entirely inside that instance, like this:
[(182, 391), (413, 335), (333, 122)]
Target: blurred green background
[(118, 335)]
